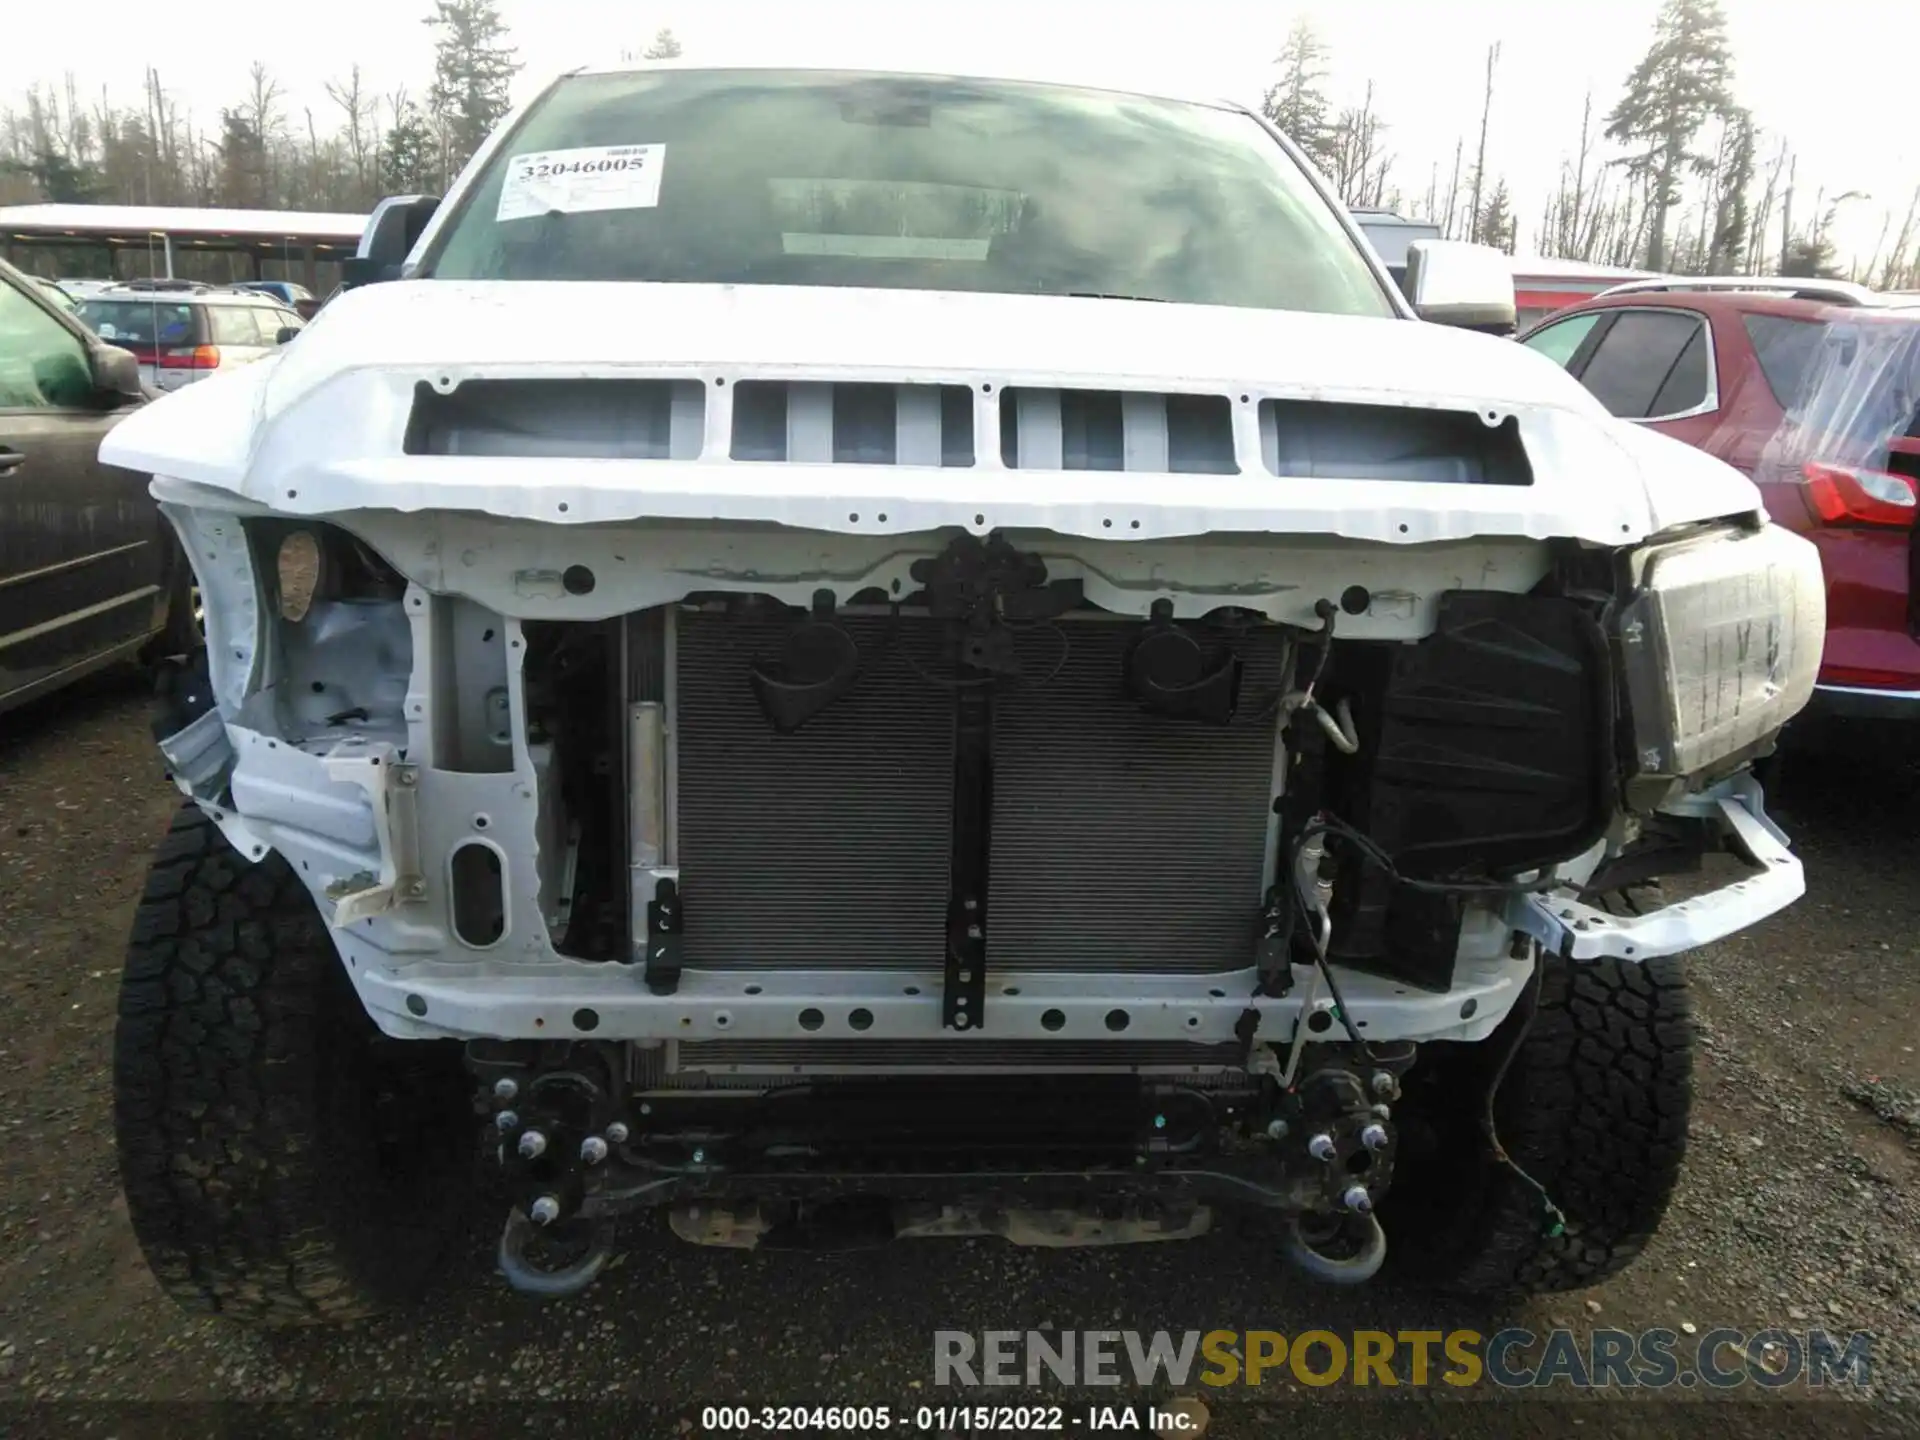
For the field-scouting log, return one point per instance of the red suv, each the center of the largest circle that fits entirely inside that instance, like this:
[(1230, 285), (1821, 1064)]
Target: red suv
[(1812, 388)]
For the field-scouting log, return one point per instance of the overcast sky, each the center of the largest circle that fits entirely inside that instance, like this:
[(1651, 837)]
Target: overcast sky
[(1836, 78)]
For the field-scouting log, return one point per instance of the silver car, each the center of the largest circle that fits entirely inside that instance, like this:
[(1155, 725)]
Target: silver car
[(182, 331)]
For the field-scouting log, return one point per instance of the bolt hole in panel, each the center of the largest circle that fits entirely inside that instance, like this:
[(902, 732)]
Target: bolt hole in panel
[(479, 894)]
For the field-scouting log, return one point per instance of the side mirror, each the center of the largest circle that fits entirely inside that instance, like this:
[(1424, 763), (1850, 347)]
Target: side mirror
[(1451, 282), (116, 374), (285, 333), (388, 239)]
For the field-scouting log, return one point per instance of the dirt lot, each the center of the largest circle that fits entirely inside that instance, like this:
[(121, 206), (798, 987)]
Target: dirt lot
[(1800, 1206)]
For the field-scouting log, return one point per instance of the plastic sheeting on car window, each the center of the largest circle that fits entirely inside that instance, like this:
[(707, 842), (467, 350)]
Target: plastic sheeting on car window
[(1858, 400)]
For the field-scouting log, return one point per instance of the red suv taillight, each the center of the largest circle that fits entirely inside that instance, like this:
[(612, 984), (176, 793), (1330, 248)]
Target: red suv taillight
[(1847, 494), (197, 357)]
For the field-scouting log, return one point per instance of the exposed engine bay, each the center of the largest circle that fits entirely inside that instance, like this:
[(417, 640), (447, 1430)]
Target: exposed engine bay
[(1039, 787), (963, 905)]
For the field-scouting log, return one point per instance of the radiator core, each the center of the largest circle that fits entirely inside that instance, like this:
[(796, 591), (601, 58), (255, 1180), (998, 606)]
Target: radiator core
[(1121, 841)]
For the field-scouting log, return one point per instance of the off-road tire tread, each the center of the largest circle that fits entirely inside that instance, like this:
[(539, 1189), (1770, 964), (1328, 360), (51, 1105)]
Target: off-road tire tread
[(1595, 1108), (246, 1199)]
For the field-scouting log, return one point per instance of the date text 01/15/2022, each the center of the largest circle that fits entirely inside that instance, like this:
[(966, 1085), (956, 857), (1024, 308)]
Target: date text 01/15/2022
[(947, 1419)]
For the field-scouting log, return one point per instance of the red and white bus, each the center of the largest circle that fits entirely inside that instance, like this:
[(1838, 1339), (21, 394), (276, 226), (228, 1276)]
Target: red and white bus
[(1542, 285)]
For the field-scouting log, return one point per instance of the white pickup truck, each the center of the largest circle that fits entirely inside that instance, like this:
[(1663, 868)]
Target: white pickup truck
[(844, 653)]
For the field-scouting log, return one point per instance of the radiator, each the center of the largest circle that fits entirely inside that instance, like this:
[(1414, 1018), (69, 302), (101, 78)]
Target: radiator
[(1121, 841)]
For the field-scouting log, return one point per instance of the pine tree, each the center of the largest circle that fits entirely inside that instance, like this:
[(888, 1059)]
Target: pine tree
[(1727, 250), (1495, 225), (1810, 257), (1296, 103), (1684, 80), (243, 162), (472, 67), (666, 46), (57, 177), (407, 155)]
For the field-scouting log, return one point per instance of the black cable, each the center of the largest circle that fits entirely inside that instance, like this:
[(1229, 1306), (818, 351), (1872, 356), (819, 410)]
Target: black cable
[(1268, 708), (1339, 1000), (1328, 613), (1370, 851), (1530, 999)]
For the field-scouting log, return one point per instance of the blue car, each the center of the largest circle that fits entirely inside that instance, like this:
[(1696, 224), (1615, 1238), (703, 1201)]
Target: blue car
[(294, 297)]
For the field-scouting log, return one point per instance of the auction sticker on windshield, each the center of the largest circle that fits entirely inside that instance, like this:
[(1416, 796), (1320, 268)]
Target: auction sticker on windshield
[(572, 182)]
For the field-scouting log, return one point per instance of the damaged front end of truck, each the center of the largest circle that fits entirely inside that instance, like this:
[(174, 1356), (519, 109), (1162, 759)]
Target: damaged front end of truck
[(812, 799), (822, 667)]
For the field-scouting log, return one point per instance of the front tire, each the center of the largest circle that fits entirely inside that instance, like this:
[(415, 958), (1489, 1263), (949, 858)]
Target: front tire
[(1594, 1107), (283, 1162)]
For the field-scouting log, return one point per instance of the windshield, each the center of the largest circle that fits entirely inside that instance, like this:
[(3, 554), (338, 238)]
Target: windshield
[(934, 184)]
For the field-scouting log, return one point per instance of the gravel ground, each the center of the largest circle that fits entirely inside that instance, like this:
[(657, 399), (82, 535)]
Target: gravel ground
[(1800, 1205)]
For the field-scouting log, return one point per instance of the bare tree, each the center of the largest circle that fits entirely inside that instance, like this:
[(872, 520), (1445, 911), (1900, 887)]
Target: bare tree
[(1359, 164), (1453, 190), (1863, 275), (1575, 214), (361, 132), (1757, 253), (1904, 259), (1786, 215), (262, 112), (1480, 156)]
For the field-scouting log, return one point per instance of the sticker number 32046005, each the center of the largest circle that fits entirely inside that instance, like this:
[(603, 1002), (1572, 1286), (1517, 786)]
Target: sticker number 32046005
[(569, 182)]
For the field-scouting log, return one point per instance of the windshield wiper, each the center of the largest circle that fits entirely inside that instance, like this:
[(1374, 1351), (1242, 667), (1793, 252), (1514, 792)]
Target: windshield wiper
[(1098, 295)]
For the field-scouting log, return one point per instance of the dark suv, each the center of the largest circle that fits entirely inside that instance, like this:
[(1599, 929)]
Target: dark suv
[(1813, 389), (89, 571)]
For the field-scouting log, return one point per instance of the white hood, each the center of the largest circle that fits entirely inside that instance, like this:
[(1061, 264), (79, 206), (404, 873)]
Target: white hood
[(320, 427)]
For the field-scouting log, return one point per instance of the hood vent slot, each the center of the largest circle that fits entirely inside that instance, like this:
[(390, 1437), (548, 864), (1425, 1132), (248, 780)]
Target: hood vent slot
[(1117, 430), (806, 422), (571, 419), (1310, 439)]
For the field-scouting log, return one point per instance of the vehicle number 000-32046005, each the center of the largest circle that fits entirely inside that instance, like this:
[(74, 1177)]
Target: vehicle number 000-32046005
[(877, 1419)]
